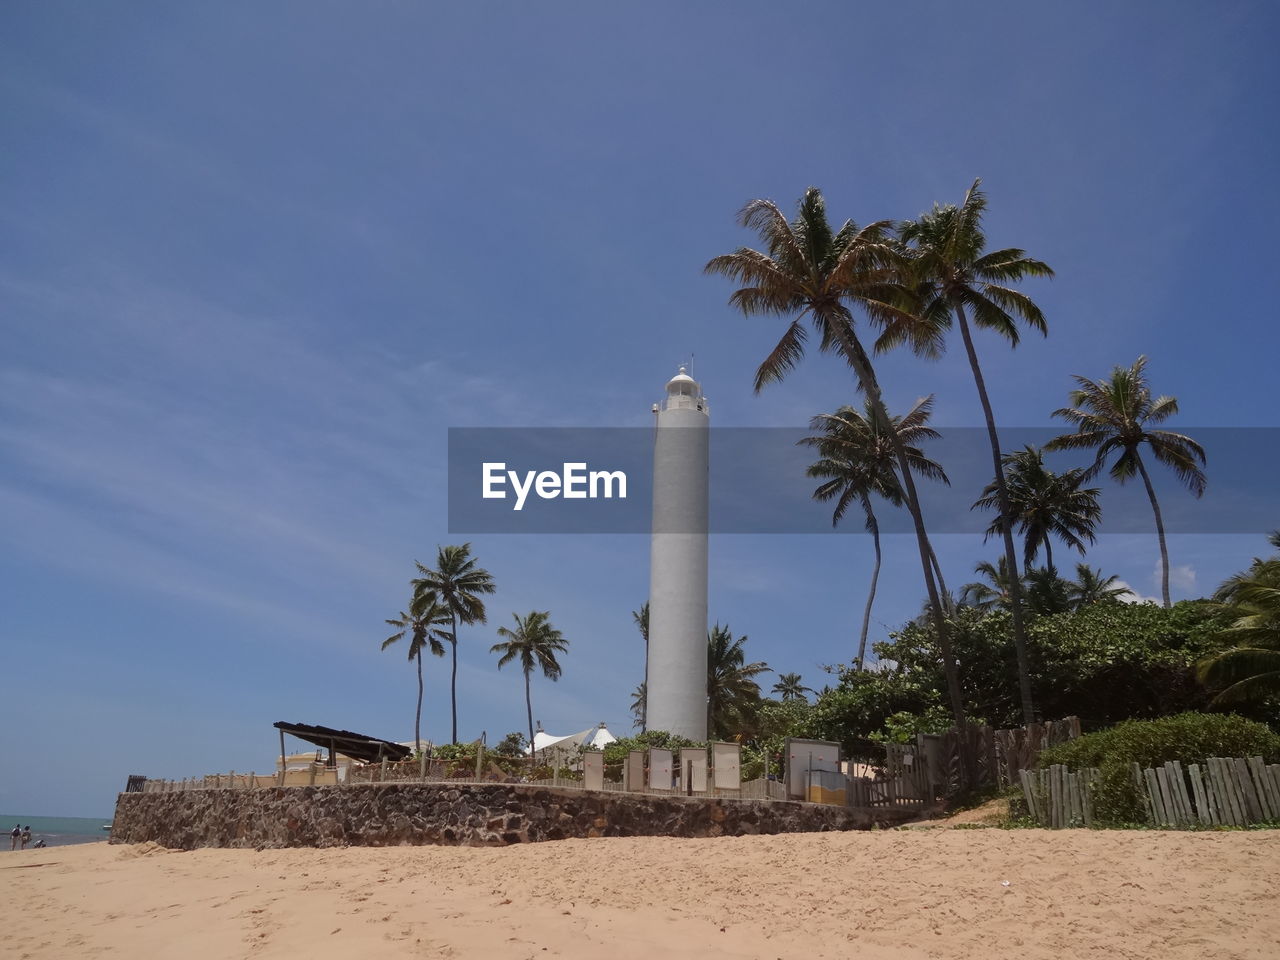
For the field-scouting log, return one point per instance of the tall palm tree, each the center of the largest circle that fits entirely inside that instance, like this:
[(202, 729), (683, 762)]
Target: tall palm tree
[(1090, 587), (814, 273), (732, 690), (791, 687), (954, 275), (1113, 416), (858, 461), (535, 643), (641, 618), (1044, 504), (458, 584), (422, 623)]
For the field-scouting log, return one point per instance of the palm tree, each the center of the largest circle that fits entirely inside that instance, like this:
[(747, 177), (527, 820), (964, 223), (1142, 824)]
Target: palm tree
[(1090, 587), (1046, 593), (1044, 504), (458, 584), (732, 690), (535, 643), (858, 461), (996, 593), (1112, 416), (791, 687), (955, 275), (422, 623), (639, 704), (813, 272), (641, 618), (1251, 671)]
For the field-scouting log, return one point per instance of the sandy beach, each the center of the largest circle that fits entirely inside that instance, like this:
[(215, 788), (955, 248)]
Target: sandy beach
[(892, 894)]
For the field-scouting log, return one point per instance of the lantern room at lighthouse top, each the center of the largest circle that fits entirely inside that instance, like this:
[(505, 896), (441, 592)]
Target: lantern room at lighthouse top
[(683, 393)]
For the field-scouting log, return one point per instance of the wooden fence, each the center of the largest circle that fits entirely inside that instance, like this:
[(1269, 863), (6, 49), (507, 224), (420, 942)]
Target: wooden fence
[(481, 769), (999, 756), (1058, 798), (1222, 792)]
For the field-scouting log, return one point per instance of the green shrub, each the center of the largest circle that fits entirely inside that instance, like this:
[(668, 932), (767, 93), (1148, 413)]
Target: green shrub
[(1187, 737), (615, 754)]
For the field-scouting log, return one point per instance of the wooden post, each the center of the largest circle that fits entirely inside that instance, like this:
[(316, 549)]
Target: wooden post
[(382, 770), (1233, 791), (1265, 788), (1252, 803), (284, 764), (1225, 797)]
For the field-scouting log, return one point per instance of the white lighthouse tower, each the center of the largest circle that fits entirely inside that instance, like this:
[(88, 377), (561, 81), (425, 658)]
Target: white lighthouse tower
[(676, 684)]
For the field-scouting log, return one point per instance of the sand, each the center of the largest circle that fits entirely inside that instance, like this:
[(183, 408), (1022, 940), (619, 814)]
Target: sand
[(983, 894)]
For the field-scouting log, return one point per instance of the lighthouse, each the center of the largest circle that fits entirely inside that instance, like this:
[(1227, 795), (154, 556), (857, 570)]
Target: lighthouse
[(676, 684)]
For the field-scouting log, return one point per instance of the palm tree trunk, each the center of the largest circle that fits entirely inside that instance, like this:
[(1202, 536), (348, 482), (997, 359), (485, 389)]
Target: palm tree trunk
[(1164, 549), (644, 707), (945, 594), (871, 594), (861, 364), (1006, 527), (1048, 555), (417, 717), (453, 677), (528, 705)]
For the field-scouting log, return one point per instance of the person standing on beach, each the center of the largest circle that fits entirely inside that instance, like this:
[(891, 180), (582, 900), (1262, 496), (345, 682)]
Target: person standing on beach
[(14, 834), (26, 837)]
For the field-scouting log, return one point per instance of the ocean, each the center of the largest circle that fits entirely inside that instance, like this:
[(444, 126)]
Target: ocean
[(54, 831)]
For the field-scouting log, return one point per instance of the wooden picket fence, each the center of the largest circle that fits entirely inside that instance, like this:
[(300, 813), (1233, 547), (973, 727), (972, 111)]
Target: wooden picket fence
[(1222, 792), (1058, 798), (999, 756)]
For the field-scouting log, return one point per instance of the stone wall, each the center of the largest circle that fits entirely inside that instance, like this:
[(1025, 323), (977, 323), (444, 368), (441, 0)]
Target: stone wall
[(439, 813)]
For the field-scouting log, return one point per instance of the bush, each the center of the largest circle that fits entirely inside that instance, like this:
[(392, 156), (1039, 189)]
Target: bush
[(904, 726), (616, 753), (512, 745), (1186, 737)]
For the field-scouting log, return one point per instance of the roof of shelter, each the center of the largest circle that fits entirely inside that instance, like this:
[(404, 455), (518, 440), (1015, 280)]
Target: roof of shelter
[(354, 745)]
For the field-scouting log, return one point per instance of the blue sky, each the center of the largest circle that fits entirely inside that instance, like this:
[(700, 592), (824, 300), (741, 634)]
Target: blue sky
[(258, 257)]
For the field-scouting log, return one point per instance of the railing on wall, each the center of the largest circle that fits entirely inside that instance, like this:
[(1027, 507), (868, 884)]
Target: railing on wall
[(645, 779), (913, 775)]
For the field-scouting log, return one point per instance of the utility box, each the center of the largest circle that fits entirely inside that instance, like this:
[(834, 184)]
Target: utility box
[(804, 758)]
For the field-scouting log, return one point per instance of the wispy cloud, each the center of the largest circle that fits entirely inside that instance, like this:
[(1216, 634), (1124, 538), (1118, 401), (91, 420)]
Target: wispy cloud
[(193, 439), (1182, 576)]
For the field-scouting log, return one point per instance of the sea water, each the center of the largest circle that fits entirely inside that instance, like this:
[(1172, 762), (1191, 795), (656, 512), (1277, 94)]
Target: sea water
[(54, 831)]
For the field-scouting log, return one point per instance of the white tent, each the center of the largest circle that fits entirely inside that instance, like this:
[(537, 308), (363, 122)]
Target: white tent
[(594, 737)]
